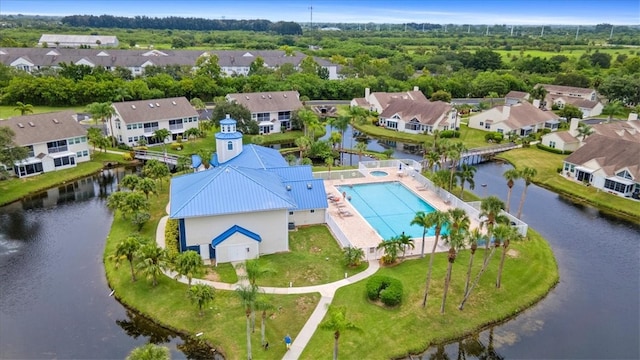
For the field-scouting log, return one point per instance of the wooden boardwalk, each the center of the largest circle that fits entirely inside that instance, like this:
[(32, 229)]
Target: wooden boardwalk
[(156, 155)]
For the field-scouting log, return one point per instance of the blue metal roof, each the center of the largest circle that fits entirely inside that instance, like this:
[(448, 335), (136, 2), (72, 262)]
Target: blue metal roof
[(308, 194), (232, 230), (228, 121), (227, 190), (292, 173), (258, 157), (228, 136), (196, 161)]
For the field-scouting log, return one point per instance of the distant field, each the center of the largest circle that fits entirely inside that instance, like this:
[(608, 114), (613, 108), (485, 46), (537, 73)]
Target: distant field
[(7, 111), (507, 54)]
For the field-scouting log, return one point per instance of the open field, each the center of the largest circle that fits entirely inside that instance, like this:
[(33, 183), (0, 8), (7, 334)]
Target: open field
[(7, 111)]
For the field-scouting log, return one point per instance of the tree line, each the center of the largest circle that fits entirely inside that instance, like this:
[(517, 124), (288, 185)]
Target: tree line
[(181, 23)]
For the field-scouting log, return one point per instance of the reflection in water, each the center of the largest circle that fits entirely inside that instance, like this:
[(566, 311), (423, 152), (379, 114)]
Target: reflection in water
[(471, 347), (137, 325)]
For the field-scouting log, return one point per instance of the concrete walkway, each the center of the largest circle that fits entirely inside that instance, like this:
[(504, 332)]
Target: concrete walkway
[(327, 291)]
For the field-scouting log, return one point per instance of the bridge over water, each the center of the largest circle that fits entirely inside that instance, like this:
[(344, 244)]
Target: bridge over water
[(157, 155)]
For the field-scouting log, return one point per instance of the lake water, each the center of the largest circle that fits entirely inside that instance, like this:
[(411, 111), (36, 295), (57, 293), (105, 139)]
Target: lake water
[(54, 299)]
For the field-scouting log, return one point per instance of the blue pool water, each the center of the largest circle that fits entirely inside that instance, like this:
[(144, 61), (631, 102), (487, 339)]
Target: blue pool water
[(389, 208), (378, 173)]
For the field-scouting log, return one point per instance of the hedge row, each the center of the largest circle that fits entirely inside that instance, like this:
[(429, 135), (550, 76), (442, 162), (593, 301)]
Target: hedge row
[(387, 289), (171, 236), (553, 150)]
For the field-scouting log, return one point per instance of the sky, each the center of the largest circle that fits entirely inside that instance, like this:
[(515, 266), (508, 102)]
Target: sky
[(509, 12)]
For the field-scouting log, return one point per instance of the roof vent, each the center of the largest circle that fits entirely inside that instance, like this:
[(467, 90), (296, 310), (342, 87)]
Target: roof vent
[(246, 97), (309, 186), (288, 187), (55, 121), (269, 96), (173, 102), (263, 96), (285, 95), (157, 104), (32, 124), (20, 126), (151, 105), (133, 106)]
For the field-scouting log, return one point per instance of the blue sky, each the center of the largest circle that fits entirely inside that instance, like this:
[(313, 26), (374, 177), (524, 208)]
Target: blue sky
[(524, 12)]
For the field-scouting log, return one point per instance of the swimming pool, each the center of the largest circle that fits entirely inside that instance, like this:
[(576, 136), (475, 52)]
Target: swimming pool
[(378, 173), (389, 208)]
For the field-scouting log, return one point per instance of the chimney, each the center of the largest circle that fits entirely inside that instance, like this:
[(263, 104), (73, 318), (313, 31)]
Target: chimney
[(416, 88), (506, 111), (367, 92), (633, 116), (536, 103), (228, 116), (573, 127)]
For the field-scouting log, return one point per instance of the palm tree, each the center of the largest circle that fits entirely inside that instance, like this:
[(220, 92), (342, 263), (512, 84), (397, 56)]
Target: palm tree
[(473, 237), (102, 112), (192, 133), (405, 241), (500, 232), (153, 261), (338, 323), (455, 239), (455, 153), (437, 219), (527, 174), (388, 153), (248, 295), (303, 143), (130, 181), (490, 208), (255, 270), (353, 256), (391, 249), (335, 139), (433, 159), (511, 176), (150, 352), (584, 130), (189, 264), (127, 249), (147, 186), (458, 220), (440, 179), (161, 135), (466, 174), (361, 147), (341, 123), (539, 93), (421, 219), (198, 104), (612, 109), (262, 304), (358, 115), (513, 234), (310, 122), (201, 294), (329, 162), (23, 108)]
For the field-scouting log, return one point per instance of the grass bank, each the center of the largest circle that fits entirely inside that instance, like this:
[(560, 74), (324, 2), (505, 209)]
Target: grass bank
[(7, 111), (529, 274), (472, 138), (16, 189), (547, 163)]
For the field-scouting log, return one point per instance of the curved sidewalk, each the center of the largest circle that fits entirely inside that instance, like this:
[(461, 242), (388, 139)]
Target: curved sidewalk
[(327, 291)]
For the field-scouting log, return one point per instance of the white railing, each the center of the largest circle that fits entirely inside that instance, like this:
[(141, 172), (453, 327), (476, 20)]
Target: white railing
[(338, 175), (337, 232), (514, 221)]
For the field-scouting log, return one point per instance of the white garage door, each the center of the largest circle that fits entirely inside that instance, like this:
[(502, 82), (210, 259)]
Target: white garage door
[(238, 252)]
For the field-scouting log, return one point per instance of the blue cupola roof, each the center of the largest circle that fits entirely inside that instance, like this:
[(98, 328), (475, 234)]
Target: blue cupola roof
[(228, 129)]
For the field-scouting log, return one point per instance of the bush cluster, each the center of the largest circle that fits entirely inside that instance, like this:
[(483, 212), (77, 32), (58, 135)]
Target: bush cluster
[(448, 134), (387, 289), (176, 146), (171, 236), (552, 150), (494, 137)]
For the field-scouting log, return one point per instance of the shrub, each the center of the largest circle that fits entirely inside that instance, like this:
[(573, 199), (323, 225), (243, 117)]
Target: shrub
[(494, 137), (171, 236), (127, 156), (124, 147), (552, 150), (447, 134), (176, 146), (387, 289)]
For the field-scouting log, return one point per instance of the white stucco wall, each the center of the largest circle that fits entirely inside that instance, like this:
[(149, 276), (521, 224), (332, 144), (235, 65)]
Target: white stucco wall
[(306, 217), (270, 225), (236, 248), (492, 114)]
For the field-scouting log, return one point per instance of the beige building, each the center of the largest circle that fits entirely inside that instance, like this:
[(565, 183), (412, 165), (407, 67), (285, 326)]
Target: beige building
[(55, 140), (270, 110)]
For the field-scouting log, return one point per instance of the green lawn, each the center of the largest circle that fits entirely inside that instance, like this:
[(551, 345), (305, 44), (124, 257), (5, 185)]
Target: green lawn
[(15, 189), (396, 332), (7, 111), (315, 258), (547, 163), (568, 52)]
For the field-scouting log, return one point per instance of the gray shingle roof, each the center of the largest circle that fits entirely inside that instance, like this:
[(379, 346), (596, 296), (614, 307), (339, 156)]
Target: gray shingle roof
[(268, 101), (566, 89), (155, 109), (46, 127), (426, 112), (611, 154)]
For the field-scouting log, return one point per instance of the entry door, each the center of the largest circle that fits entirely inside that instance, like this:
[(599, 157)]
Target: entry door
[(238, 252)]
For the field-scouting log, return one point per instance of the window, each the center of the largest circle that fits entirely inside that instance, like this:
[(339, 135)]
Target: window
[(129, 126), (481, 123), (30, 148), (552, 144), (290, 212), (85, 152), (229, 145), (615, 186), (130, 139), (487, 126), (64, 161), (262, 117), (150, 127), (624, 174), (117, 124), (284, 115), (57, 146), (312, 211), (500, 131), (175, 124)]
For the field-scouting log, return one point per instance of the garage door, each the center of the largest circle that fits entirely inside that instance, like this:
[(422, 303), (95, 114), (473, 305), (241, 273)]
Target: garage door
[(237, 252)]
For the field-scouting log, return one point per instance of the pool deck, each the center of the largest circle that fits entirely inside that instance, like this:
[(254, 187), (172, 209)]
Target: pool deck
[(358, 231)]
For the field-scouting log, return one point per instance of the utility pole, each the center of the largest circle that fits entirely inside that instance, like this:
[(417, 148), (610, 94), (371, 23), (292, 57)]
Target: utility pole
[(577, 31), (469, 28), (542, 32), (487, 30), (311, 16), (511, 30), (445, 27), (611, 34)]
